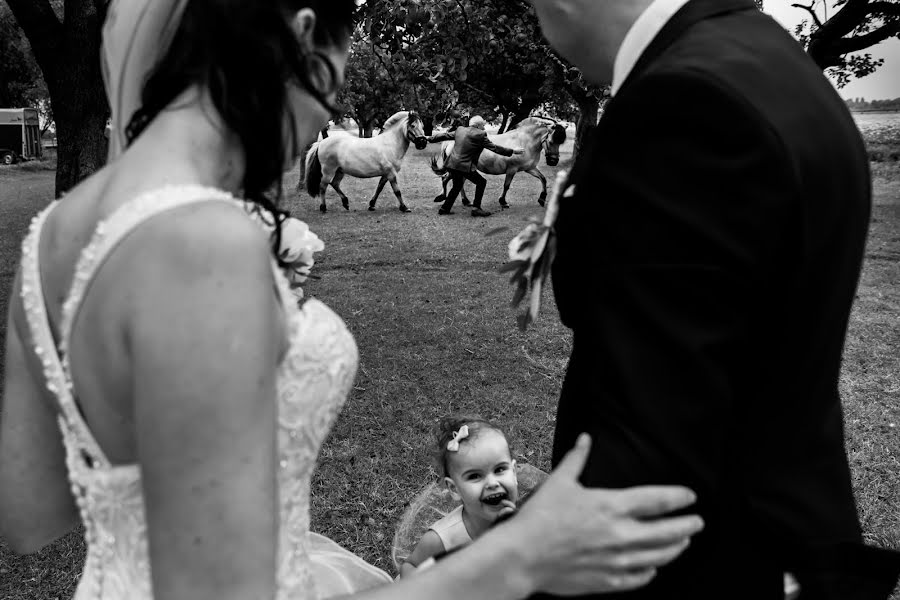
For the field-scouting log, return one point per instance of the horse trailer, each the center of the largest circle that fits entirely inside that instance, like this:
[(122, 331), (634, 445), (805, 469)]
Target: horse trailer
[(20, 135)]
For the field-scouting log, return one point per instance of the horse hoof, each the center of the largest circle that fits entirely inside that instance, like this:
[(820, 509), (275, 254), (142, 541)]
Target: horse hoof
[(466, 202), (372, 208), (405, 209), (322, 208), (541, 201), (439, 198)]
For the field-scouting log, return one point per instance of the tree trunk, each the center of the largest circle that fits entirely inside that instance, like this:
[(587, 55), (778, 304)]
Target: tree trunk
[(587, 120), (368, 129), (81, 144), (68, 55), (504, 122), (428, 124)]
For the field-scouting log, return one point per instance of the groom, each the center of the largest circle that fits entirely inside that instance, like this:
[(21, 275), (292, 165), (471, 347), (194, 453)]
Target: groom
[(707, 262)]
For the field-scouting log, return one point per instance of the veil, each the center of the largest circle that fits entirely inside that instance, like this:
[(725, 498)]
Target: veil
[(136, 36)]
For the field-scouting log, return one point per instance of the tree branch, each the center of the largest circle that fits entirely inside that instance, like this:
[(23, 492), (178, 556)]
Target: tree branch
[(885, 8), (844, 21), (465, 16), (42, 28), (810, 10), (475, 89), (861, 42)]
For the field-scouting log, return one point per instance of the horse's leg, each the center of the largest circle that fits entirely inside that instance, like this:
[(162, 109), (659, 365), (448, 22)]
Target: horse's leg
[(392, 177), (542, 199), (506, 183), (323, 187), (336, 184), (445, 179), (378, 189)]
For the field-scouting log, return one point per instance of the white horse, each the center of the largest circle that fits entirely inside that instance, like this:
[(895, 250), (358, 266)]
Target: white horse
[(381, 156), (532, 135)]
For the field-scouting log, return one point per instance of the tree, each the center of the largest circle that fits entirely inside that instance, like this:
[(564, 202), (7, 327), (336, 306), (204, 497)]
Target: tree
[(490, 53), (854, 26), (371, 93), (20, 75), (67, 50)]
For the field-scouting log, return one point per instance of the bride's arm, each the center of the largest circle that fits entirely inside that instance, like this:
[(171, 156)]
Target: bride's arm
[(567, 540), (204, 345)]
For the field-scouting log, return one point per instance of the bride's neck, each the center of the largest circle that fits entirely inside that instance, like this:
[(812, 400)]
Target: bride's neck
[(192, 135)]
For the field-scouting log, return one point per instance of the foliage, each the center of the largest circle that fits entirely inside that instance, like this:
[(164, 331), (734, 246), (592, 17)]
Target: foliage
[(836, 38), (862, 104), (371, 90), (487, 55), (21, 82)]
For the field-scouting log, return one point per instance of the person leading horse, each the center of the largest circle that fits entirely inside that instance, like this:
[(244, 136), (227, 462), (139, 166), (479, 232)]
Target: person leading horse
[(468, 144)]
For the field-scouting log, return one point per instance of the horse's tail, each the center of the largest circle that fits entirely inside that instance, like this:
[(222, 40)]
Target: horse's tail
[(313, 170), (439, 161)]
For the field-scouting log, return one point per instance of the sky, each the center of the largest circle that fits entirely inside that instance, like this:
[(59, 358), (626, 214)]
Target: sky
[(883, 84)]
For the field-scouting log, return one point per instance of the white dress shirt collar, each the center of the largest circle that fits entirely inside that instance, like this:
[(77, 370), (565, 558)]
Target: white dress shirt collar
[(642, 32)]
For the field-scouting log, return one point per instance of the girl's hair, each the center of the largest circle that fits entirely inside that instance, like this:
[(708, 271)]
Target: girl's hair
[(245, 52), (447, 429)]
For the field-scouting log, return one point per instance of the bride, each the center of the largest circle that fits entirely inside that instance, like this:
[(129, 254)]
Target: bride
[(164, 388)]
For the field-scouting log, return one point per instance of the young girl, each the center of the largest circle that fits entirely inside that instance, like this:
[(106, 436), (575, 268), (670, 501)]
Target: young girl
[(474, 460)]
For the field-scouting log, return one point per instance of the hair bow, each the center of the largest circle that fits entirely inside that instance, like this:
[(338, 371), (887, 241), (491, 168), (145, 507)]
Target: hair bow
[(458, 436)]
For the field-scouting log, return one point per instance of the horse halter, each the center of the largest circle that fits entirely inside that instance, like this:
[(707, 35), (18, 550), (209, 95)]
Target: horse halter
[(419, 141), (551, 158)]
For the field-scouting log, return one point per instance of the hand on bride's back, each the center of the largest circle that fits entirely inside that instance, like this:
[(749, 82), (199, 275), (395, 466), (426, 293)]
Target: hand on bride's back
[(599, 540)]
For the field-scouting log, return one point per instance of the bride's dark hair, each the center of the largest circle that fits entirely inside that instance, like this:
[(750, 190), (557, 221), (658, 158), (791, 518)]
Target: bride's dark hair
[(244, 52)]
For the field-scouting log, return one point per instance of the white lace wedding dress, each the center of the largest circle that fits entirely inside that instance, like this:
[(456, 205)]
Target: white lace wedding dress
[(313, 382)]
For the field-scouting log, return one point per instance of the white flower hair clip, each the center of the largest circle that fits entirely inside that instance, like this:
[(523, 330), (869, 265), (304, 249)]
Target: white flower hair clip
[(458, 436)]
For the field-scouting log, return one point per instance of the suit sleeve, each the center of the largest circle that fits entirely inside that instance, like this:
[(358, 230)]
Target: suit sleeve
[(487, 144), (441, 137), (670, 253)]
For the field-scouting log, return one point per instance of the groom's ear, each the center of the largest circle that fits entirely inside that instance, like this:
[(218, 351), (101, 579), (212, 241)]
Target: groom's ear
[(451, 487), (303, 24)]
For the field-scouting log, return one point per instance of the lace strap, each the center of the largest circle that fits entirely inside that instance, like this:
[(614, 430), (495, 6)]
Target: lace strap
[(55, 377)]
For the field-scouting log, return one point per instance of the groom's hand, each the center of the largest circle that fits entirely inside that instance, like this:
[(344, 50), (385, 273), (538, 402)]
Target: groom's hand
[(597, 540)]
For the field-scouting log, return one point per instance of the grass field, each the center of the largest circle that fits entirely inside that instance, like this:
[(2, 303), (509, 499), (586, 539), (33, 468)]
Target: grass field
[(430, 313)]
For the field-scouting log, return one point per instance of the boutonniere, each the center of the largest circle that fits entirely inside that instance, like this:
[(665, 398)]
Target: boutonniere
[(298, 244), (531, 254)]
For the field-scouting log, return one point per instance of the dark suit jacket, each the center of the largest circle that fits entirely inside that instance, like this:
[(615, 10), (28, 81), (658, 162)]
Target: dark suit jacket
[(468, 143), (707, 264)]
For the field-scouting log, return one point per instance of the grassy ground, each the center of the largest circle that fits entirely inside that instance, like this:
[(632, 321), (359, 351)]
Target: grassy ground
[(422, 295)]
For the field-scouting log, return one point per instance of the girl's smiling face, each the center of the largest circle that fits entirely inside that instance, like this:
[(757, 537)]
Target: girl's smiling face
[(482, 474)]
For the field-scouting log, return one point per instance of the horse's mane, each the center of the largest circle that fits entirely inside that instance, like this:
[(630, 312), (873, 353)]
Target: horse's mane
[(559, 132), (529, 122), (394, 119)]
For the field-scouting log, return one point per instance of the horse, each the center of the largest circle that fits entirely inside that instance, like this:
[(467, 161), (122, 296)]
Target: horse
[(532, 135), (329, 160)]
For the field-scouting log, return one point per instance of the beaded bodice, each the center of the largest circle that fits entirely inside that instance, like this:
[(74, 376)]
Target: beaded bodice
[(313, 381)]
